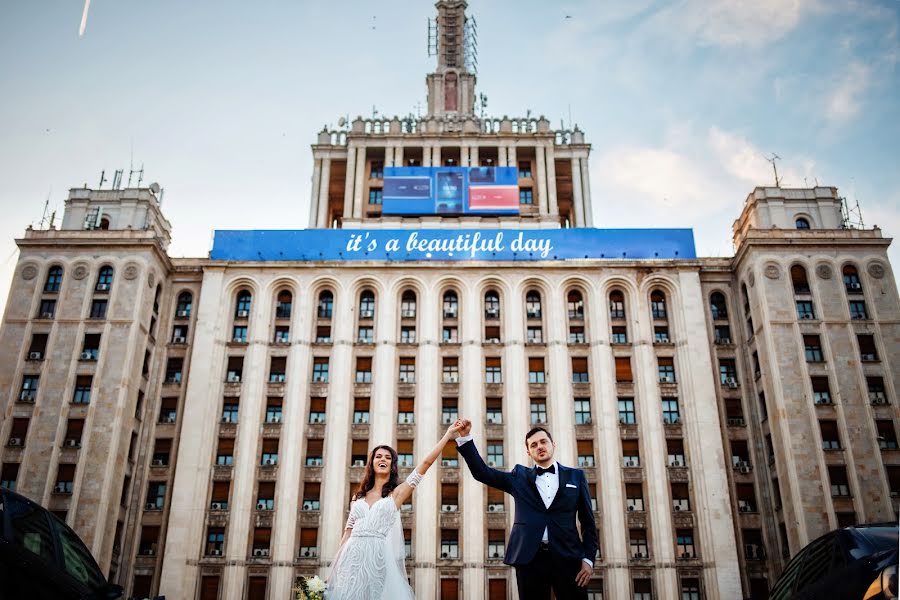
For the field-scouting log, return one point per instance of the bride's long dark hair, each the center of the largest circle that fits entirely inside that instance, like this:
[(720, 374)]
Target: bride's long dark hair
[(368, 481)]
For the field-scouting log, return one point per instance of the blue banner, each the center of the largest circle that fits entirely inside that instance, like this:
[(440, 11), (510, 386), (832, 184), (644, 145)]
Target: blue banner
[(452, 244), (450, 191)]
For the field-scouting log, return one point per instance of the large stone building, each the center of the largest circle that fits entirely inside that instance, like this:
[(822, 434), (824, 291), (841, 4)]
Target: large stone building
[(202, 423)]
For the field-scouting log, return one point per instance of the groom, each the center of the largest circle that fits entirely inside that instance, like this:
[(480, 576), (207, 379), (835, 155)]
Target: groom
[(544, 545)]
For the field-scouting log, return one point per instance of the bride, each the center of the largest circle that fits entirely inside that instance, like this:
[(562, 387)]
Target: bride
[(370, 561)]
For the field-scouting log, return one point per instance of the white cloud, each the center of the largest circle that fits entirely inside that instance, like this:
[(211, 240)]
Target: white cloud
[(741, 159), (848, 89)]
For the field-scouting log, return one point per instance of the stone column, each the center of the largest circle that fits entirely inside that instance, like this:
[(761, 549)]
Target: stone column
[(436, 155), (295, 407), (426, 155), (511, 160), (515, 375), (349, 181), (398, 156), (653, 449), (384, 370), (247, 445), (501, 156), (553, 205), (577, 197), (427, 532), (559, 370), (471, 406), (586, 192), (324, 183), (473, 156), (359, 186), (604, 405), (337, 445), (314, 196), (541, 182), (186, 530)]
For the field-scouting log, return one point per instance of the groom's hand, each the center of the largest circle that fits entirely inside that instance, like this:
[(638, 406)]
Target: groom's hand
[(584, 575), (465, 428)]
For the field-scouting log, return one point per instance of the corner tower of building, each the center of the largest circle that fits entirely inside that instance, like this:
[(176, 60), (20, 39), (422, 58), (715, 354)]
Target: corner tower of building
[(451, 88)]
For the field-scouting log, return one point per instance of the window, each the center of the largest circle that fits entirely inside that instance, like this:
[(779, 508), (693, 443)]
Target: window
[(722, 334), (495, 453), (681, 501), (309, 543), (718, 307), (82, 394), (634, 497), (449, 457), (450, 305), (376, 196), (619, 335), (317, 410), (840, 487), (242, 308), (658, 305), (449, 497), (407, 335), (494, 412), (91, 348), (538, 410), (851, 280), (575, 305), (405, 411), (670, 412), (684, 540), (582, 411), (284, 305), (492, 370), (492, 335), (98, 309), (661, 335), (534, 335), (805, 310), (799, 280), (320, 370), (311, 495), (104, 279), (821, 391), (277, 369), (727, 373), (524, 169), (449, 335), (282, 334), (65, 479), (156, 495), (215, 541), (360, 411), (536, 373), (491, 305), (666, 368), (239, 334), (54, 279), (269, 456), (867, 350), (526, 196), (533, 305), (875, 386), (323, 334), (28, 392), (580, 370), (367, 305), (813, 348), (631, 457), (801, 223), (168, 410), (273, 410), (626, 411), (449, 546), (364, 369), (326, 305), (184, 305), (230, 410), (623, 369), (496, 544), (18, 433), (449, 411), (314, 453), (47, 308), (450, 370), (616, 305), (407, 369), (637, 543), (858, 310), (831, 439), (576, 335), (8, 476), (585, 453), (408, 305)]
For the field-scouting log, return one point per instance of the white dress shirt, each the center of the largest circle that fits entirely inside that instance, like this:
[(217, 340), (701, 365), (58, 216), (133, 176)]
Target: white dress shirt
[(547, 486)]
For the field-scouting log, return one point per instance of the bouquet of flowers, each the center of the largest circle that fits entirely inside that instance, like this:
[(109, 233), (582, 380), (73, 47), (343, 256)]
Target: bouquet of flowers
[(310, 588)]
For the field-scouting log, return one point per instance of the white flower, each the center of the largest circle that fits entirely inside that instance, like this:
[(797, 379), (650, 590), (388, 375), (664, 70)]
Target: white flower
[(315, 585)]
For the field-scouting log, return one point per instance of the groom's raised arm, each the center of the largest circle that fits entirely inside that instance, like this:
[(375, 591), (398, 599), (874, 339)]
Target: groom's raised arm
[(501, 480)]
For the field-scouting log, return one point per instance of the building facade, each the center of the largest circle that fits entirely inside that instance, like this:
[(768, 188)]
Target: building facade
[(202, 423)]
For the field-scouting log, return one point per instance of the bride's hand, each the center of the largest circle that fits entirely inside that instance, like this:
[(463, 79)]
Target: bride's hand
[(453, 430)]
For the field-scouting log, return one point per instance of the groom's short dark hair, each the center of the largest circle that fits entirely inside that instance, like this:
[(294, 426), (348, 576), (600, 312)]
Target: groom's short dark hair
[(535, 430)]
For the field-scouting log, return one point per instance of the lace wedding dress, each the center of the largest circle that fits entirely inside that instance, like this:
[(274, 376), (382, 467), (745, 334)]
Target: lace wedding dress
[(371, 564)]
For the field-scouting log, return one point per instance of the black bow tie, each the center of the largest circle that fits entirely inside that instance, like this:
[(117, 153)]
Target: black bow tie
[(550, 469)]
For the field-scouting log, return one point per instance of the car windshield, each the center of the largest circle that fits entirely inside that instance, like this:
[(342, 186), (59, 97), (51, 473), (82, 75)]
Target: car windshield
[(880, 538)]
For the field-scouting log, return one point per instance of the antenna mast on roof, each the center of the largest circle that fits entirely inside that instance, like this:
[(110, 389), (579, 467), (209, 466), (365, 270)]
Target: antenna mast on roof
[(851, 212), (470, 44), (772, 160), (432, 37)]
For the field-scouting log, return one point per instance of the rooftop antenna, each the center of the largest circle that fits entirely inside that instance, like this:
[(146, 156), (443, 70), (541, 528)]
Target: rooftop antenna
[(851, 212), (374, 112), (117, 179), (432, 37), (84, 14), (772, 160), (470, 44), (102, 179), (482, 103), (44, 221)]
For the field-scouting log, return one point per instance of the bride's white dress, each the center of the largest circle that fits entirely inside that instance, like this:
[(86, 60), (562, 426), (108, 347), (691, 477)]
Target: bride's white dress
[(371, 565)]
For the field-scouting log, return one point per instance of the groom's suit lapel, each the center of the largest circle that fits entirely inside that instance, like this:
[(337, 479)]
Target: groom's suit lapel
[(565, 476), (531, 476)]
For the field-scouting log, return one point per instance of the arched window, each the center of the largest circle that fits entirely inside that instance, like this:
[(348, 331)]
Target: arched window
[(618, 326), (367, 305), (326, 305), (104, 279), (851, 280), (575, 305), (799, 280), (54, 279), (283, 305), (408, 305), (451, 305), (185, 305), (801, 223), (156, 298), (658, 305), (533, 304), (616, 305), (104, 223), (746, 297), (491, 305), (717, 306), (244, 299)]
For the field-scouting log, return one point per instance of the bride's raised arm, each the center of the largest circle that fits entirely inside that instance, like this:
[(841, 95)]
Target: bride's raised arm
[(403, 491)]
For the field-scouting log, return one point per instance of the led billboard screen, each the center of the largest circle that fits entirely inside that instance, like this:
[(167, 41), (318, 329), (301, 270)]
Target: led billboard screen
[(450, 191)]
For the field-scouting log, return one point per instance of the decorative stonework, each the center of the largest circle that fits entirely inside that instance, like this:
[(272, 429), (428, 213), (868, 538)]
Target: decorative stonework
[(751, 279), (876, 270), (80, 271), (823, 270), (29, 272), (773, 271), (151, 279), (131, 271)]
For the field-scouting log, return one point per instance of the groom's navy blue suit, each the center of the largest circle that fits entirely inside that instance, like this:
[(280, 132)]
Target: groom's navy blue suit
[(532, 516)]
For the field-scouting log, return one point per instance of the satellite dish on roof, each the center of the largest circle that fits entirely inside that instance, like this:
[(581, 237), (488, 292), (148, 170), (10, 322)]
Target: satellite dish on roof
[(154, 187)]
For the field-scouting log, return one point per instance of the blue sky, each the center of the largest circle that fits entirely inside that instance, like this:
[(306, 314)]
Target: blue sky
[(220, 101)]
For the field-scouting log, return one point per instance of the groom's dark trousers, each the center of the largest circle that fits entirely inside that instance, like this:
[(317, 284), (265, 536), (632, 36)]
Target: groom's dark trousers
[(540, 567)]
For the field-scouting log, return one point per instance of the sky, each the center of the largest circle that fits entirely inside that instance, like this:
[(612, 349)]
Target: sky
[(681, 100)]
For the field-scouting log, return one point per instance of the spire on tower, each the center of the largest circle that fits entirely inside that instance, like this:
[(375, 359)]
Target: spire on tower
[(452, 38)]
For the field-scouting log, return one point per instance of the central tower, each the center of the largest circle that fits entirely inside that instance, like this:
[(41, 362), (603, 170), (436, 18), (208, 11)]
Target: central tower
[(451, 88)]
